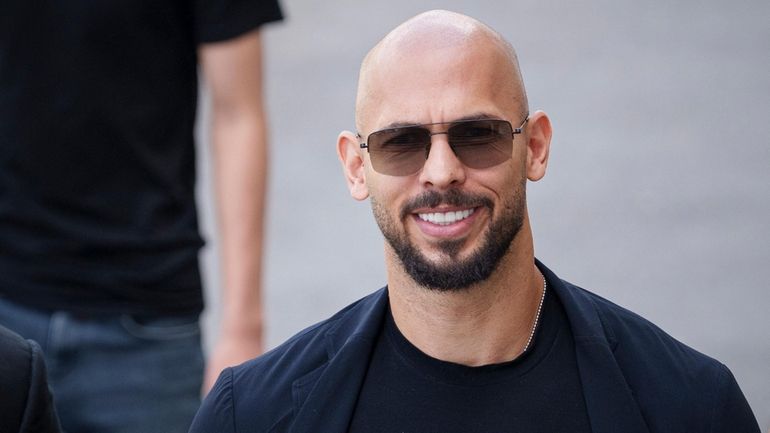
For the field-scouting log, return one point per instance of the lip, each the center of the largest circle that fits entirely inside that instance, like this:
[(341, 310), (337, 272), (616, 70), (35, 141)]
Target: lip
[(453, 230)]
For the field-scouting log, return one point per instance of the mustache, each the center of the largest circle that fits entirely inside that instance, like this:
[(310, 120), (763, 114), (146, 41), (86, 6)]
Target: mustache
[(452, 197)]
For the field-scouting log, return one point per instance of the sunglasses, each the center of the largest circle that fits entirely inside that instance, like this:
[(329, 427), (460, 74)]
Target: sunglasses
[(478, 144)]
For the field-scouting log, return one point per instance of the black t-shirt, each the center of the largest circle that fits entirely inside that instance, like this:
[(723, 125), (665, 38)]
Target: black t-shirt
[(97, 162), (407, 391)]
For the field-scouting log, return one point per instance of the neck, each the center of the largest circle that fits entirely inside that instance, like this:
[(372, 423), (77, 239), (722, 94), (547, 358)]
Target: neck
[(487, 323)]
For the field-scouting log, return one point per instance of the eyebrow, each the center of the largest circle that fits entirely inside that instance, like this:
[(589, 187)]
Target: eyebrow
[(474, 116)]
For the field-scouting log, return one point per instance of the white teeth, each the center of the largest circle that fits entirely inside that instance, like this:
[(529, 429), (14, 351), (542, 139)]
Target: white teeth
[(445, 218)]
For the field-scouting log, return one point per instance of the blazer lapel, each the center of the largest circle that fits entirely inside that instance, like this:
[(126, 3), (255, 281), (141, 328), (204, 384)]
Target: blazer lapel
[(324, 400), (610, 402)]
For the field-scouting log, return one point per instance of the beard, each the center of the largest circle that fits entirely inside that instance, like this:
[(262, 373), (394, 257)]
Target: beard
[(449, 272)]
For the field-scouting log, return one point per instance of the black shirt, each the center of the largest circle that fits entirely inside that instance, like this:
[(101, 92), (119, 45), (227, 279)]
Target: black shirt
[(97, 163), (407, 391)]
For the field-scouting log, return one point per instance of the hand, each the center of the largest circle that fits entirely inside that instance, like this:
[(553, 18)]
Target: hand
[(231, 349)]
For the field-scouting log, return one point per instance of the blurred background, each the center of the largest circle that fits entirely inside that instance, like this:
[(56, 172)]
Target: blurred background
[(658, 190)]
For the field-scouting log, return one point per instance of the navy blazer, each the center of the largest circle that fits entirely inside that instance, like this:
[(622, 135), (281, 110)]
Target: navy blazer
[(635, 377), (26, 405)]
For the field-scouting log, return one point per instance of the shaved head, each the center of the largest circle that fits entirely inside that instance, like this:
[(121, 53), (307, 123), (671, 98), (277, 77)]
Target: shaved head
[(411, 48)]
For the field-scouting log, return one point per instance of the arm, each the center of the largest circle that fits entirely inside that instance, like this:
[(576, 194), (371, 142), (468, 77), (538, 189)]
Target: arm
[(732, 413), (26, 404), (40, 414), (232, 70)]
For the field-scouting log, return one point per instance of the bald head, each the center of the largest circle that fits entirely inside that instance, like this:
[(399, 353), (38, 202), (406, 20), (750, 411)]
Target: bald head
[(439, 46)]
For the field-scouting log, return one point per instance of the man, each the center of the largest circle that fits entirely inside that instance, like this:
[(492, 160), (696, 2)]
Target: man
[(99, 239), (471, 334), (27, 405)]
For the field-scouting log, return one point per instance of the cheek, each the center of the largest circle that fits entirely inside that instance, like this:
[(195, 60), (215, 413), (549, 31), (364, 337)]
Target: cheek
[(390, 192), (504, 183), (503, 178)]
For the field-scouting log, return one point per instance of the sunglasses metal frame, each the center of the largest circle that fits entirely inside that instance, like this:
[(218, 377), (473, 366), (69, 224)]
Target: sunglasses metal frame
[(364, 144)]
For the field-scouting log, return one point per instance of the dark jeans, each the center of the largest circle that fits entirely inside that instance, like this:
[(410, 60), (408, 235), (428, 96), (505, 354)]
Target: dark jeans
[(117, 374)]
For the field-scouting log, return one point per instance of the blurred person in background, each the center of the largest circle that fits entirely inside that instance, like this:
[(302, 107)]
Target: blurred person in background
[(99, 237)]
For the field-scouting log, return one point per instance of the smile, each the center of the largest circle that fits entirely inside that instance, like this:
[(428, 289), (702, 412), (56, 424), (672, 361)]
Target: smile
[(445, 218)]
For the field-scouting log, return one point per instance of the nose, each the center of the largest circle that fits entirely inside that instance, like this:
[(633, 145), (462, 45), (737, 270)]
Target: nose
[(442, 168)]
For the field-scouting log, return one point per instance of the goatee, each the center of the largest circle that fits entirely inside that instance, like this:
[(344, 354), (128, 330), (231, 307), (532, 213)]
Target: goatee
[(451, 272)]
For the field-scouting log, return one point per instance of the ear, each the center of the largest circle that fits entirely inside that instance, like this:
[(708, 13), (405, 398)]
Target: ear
[(352, 159), (538, 145)]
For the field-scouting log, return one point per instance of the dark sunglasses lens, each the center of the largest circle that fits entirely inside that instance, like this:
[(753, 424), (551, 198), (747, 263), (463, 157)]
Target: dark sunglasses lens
[(398, 151), (482, 143)]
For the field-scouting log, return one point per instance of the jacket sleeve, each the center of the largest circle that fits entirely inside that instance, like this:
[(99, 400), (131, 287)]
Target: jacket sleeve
[(732, 413), (39, 412), (216, 412)]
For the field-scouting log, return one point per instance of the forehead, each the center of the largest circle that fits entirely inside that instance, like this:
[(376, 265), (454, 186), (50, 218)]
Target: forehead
[(438, 83)]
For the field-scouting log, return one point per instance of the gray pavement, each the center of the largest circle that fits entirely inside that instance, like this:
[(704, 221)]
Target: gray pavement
[(658, 190)]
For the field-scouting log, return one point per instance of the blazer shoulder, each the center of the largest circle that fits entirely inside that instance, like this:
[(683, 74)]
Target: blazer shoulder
[(627, 331), (308, 349), (259, 393), (668, 376)]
